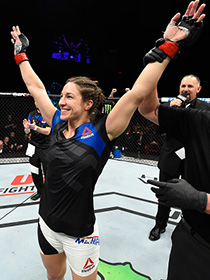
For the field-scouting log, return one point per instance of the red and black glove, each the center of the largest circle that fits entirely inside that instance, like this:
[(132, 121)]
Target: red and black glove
[(165, 47), (162, 49), (21, 49)]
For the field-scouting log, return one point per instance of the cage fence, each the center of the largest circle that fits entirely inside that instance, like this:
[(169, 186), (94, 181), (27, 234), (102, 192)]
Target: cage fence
[(140, 142)]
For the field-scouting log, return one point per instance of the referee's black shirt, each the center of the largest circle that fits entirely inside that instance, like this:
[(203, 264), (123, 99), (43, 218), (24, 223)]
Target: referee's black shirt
[(192, 128)]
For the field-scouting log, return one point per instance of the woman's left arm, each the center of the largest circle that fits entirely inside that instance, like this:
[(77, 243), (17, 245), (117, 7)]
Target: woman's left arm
[(120, 116), (144, 91)]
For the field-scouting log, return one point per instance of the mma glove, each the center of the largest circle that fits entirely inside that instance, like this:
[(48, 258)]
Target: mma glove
[(165, 47), (179, 193), (21, 49)]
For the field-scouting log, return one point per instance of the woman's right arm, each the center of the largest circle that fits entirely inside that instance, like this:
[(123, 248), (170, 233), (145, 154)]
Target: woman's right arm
[(35, 85), (38, 91)]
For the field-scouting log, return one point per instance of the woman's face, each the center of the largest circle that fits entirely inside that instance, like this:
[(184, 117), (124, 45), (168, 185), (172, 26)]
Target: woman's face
[(71, 103)]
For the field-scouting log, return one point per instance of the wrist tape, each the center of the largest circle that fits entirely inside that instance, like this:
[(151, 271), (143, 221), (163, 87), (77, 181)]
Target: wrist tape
[(169, 48), (20, 58)]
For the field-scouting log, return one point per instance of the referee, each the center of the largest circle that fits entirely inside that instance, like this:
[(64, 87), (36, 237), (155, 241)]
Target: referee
[(171, 161), (190, 253)]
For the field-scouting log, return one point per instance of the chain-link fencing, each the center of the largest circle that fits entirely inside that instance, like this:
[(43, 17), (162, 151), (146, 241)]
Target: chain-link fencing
[(141, 141), (14, 107)]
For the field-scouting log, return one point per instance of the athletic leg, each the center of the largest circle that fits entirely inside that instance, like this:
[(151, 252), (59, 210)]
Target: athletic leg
[(83, 255), (55, 266), (53, 257), (93, 276)]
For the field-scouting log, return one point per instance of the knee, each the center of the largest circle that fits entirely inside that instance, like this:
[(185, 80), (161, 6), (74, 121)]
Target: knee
[(55, 277)]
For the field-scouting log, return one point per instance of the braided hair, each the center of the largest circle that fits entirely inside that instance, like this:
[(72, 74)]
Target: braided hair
[(89, 91)]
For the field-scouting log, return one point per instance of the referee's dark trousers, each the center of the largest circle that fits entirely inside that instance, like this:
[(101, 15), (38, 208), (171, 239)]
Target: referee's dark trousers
[(188, 245)]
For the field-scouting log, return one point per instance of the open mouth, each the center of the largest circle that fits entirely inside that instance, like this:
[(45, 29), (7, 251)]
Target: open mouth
[(65, 112)]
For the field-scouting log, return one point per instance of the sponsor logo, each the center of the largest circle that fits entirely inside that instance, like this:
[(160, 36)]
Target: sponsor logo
[(88, 240), (88, 265), (22, 184), (17, 190), (22, 180), (87, 133)]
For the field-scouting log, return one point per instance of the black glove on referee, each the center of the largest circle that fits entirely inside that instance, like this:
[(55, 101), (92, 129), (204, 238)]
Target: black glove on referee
[(179, 193)]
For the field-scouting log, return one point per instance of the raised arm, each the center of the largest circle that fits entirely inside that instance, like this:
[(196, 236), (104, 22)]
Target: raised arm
[(190, 27), (144, 92), (120, 116), (32, 81)]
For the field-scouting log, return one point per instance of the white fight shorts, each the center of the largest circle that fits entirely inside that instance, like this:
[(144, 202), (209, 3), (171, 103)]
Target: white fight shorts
[(82, 252)]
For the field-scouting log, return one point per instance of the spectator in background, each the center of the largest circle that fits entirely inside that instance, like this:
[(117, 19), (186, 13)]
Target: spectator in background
[(8, 148), (114, 90), (142, 141), (1, 147), (9, 125), (109, 104), (127, 89), (37, 148), (13, 141), (25, 142)]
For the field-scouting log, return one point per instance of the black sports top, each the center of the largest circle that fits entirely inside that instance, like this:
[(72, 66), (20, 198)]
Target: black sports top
[(74, 166)]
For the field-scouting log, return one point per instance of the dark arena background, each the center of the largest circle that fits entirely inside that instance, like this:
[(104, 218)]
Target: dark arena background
[(115, 36), (106, 41), (102, 40)]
